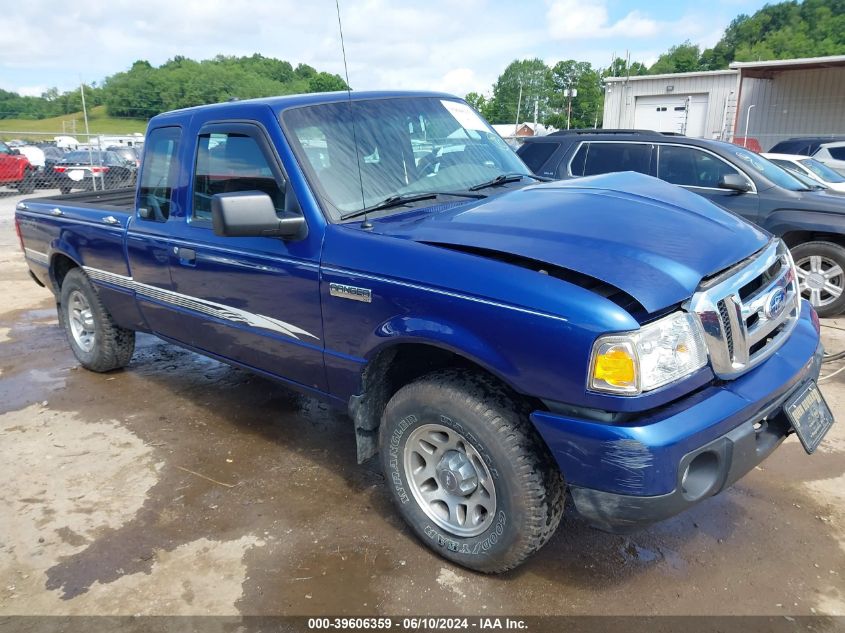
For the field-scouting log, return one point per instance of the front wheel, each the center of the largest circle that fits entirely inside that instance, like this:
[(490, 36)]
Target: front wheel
[(98, 343), (468, 472), (821, 276)]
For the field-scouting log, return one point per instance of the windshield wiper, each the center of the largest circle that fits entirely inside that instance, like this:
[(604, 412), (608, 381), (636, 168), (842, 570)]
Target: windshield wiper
[(399, 200), (502, 179)]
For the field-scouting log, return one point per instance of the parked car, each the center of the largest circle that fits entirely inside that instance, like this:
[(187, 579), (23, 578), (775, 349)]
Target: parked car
[(812, 223), (14, 168), (810, 168), (131, 155), (494, 340), (87, 169), (43, 158), (829, 150)]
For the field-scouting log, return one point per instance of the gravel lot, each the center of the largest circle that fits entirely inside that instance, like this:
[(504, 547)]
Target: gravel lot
[(184, 486)]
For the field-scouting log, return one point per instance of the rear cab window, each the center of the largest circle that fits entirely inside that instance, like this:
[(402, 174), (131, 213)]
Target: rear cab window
[(159, 174)]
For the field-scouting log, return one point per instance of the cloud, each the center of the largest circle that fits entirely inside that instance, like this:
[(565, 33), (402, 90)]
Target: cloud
[(31, 91), (440, 45), (574, 19)]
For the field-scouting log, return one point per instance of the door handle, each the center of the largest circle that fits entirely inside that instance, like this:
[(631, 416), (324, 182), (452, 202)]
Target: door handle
[(110, 219), (187, 256)]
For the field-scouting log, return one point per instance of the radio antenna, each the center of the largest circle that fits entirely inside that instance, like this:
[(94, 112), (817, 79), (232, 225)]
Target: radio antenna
[(366, 224)]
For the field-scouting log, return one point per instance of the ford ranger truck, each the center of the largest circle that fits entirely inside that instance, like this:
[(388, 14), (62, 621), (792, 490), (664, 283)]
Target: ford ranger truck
[(497, 340)]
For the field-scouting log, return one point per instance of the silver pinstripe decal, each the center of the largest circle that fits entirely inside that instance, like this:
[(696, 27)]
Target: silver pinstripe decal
[(37, 256), (203, 306)]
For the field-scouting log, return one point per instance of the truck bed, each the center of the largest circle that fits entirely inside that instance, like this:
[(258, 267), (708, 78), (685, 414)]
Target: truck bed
[(113, 200)]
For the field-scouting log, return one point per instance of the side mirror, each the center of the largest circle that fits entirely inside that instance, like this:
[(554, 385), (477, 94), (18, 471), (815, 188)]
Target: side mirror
[(735, 182), (15, 152), (252, 214)]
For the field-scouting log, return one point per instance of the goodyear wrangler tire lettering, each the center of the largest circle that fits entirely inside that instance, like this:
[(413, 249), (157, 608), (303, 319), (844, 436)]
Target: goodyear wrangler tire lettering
[(441, 442)]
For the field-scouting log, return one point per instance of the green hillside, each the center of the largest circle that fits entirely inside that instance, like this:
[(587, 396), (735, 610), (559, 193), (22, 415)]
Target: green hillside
[(98, 122)]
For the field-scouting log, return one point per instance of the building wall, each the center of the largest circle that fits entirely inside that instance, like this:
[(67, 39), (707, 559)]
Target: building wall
[(620, 98), (793, 103)]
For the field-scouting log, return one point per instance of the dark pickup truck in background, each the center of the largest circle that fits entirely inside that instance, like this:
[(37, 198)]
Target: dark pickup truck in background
[(498, 341), (811, 222)]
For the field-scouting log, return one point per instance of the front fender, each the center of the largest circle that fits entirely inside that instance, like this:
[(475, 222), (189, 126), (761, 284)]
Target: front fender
[(785, 221), (446, 335)]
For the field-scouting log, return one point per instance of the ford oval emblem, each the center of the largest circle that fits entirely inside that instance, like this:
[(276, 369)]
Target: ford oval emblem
[(775, 303)]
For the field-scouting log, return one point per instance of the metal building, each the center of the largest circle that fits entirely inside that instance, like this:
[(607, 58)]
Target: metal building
[(773, 100), (791, 97), (696, 104)]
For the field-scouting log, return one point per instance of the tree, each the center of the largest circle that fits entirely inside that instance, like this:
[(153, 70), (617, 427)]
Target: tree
[(619, 68), (477, 101), (325, 82), (532, 78), (587, 106), (683, 58)]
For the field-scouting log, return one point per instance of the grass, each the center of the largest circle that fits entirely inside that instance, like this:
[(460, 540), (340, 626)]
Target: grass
[(98, 122)]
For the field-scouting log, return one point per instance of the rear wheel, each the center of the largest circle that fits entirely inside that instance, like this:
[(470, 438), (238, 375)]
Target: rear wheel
[(468, 472), (821, 276), (27, 186), (98, 343)]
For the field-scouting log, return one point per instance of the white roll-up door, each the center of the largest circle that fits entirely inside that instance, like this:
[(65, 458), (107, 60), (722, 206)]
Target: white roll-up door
[(683, 114)]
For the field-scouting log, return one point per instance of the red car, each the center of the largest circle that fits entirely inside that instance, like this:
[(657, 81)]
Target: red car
[(14, 168)]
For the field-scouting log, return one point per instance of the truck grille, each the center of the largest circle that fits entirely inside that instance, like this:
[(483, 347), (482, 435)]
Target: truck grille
[(748, 311)]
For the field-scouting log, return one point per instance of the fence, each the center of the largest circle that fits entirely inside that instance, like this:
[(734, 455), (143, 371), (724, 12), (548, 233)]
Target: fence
[(31, 161)]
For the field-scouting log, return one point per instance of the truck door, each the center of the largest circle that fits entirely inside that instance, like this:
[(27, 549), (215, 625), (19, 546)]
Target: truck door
[(148, 234), (252, 300)]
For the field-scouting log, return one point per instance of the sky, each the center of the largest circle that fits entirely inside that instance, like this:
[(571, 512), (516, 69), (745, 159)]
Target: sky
[(455, 46)]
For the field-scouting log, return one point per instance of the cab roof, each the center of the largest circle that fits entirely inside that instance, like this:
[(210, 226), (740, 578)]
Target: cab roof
[(278, 104)]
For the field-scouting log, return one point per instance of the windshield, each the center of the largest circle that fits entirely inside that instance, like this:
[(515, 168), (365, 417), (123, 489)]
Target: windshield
[(821, 170), (768, 169), (83, 156), (405, 146)]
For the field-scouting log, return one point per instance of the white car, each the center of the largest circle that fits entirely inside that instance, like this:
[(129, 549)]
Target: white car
[(810, 168), (833, 155)]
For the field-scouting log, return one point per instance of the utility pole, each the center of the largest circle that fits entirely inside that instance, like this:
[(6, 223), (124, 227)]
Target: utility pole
[(518, 106), (570, 94), (536, 112), (87, 132)]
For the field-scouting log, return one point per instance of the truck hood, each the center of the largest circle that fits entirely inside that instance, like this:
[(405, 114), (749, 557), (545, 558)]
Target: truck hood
[(650, 239)]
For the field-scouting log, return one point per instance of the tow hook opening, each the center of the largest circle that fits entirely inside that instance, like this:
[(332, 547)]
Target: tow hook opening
[(700, 475)]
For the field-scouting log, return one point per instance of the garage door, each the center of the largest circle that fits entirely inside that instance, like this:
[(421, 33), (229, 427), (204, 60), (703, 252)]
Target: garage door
[(683, 114)]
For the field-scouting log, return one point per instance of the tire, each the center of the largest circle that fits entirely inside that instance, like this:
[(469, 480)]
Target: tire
[(479, 423), (64, 190), (821, 276), (98, 343), (27, 186)]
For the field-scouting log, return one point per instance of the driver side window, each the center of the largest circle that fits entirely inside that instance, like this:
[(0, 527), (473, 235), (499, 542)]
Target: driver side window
[(159, 174), (691, 167)]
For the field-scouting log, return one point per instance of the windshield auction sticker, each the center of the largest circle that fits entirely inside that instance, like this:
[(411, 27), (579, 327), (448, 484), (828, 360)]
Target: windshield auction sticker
[(465, 115)]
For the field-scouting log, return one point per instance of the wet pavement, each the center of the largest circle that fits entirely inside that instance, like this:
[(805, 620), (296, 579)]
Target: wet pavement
[(184, 486)]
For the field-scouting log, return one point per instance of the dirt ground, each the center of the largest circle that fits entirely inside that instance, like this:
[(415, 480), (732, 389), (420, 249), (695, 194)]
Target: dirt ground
[(184, 486)]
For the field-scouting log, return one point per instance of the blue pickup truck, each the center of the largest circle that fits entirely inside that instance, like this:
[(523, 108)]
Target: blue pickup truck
[(499, 341)]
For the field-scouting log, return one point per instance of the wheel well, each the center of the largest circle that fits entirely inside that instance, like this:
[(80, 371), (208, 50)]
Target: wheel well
[(59, 268), (389, 371), (794, 238)]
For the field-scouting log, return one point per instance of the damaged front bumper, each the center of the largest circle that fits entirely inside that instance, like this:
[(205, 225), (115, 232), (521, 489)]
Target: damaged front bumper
[(623, 477)]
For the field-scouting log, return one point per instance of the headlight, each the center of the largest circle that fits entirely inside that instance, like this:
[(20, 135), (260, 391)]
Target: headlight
[(653, 356)]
